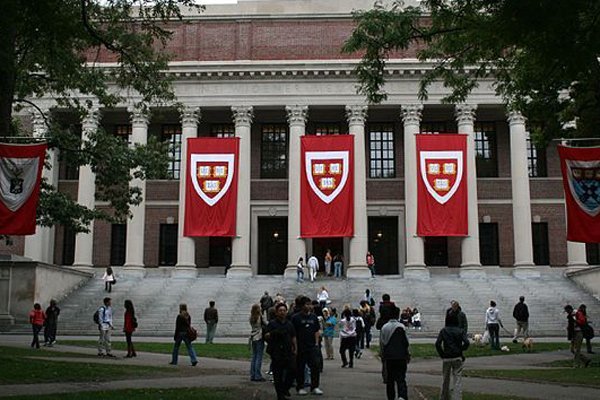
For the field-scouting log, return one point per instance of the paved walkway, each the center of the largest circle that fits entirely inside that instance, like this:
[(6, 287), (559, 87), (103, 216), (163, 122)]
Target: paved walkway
[(362, 382)]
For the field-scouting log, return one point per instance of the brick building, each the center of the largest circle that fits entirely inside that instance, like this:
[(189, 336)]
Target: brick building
[(271, 71)]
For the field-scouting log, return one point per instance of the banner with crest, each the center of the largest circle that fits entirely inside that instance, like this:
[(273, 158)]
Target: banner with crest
[(20, 174), (327, 186), (581, 180), (211, 186), (442, 185)]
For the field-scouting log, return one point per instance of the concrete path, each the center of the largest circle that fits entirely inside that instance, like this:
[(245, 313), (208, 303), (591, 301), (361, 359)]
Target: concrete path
[(362, 382)]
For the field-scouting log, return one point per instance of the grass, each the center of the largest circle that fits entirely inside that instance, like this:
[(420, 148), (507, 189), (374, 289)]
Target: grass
[(147, 394), (227, 351), (568, 376)]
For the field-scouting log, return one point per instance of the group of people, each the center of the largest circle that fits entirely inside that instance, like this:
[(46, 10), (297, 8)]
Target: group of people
[(103, 317), (47, 320), (333, 266)]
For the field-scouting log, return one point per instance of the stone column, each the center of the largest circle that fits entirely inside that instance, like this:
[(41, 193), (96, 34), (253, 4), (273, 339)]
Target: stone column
[(240, 246), (297, 116), (40, 246), (522, 236), (86, 189), (359, 243), (134, 255), (576, 256), (471, 264), (415, 249), (186, 247)]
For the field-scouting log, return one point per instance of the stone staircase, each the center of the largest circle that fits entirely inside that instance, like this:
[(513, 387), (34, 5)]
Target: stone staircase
[(157, 297)]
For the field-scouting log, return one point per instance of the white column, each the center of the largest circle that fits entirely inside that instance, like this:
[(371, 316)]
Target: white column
[(40, 246), (465, 116), (134, 254), (186, 247), (240, 246), (415, 249), (576, 256), (297, 116), (86, 188), (359, 243)]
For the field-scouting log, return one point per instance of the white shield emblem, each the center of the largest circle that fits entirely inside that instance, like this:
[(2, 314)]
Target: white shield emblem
[(441, 172), (212, 175), (584, 182), (327, 172), (18, 177)]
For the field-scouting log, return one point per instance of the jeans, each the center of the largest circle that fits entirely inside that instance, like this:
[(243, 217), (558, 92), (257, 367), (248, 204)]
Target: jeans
[(211, 328), (328, 346), (108, 286), (36, 335), (368, 335), (50, 332), (104, 341), (337, 269), (283, 376), (494, 330), (347, 343), (452, 369), (372, 269), (300, 276), (307, 357), (182, 337), (522, 329), (396, 378), (258, 347)]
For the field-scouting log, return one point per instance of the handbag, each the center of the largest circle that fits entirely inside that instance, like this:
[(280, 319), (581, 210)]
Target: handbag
[(192, 334), (588, 331)]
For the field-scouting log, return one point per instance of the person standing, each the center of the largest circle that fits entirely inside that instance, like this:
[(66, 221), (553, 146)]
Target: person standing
[(588, 330), (109, 279), (385, 311), (266, 302), (300, 270), (371, 263), (327, 262), (521, 315), (323, 297), (580, 318), (462, 317), (52, 313), (369, 318), (105, 314), (211, 318), (313, 267), (129, 326), (329, 322), (37, 317), (493, 324), (182, 325), (338, 264), (308, 332), (281, 346), (450, 344), (395, 355), (347, 338), (257, 343)]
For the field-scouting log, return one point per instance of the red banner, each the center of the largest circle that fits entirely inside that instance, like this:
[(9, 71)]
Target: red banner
[(211, 186), (581, 179), (327, 186), (20, 175), (442, 185)]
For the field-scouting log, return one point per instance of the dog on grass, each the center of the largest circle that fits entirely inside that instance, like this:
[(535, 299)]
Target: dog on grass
[(477, 339), (528, 345)]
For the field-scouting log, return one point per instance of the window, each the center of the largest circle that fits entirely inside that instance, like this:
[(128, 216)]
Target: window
[(118, 243), (67, 170), (123, 132), (536, 160), (167, 244), (327, 129), (488, 244), (541, 248), (592, 251), (223, 130), (436, 251), (68, 254), (381, 151), (172, 135), (273, 151), (485, 149), (437, 127)]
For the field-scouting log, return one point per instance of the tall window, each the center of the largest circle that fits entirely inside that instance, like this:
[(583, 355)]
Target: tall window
[(118, 242), (172, 135), (485, 149), (381, 151), (67, 170), (327, 129), (222, 130), (488, 244), (592, 251), (273, 151), (536, 160), (68, 254), (541, 247), (123, 132), (437, 127), (167, 244)]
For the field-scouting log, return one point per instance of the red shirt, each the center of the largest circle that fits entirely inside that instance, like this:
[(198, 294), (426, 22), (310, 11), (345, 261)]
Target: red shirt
[(37, 317), (128, 326)]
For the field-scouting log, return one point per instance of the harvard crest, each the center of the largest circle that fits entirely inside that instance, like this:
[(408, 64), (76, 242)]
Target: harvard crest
[(584, 182), (327, 173), (442, 173), (212, 175)]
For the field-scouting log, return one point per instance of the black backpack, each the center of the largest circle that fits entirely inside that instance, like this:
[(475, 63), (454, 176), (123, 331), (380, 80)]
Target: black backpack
[(96, 316)]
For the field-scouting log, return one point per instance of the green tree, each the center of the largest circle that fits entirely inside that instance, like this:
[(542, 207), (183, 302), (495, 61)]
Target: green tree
[(542, 55), (49, 48)]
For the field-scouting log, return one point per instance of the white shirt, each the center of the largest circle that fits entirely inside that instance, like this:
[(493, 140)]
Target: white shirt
[(313, 262), (347, 328), (323, 296), (108, 278), (492, 316), (106, 317)]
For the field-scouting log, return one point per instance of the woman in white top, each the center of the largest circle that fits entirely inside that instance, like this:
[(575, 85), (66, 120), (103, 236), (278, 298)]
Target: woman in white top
[(109, 279), (323, 297), (347, 337), (493, 324)]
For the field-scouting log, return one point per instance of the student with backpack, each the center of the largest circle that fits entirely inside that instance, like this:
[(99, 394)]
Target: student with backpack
[(395, 355), (103, 318)]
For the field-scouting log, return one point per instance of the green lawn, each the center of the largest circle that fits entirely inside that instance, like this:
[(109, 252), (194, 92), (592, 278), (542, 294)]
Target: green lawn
[(568, 376), (147, 394), (228, 351)]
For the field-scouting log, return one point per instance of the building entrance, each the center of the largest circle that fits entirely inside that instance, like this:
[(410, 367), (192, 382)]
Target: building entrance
[(383, 244), (272, 245), (320, 247)]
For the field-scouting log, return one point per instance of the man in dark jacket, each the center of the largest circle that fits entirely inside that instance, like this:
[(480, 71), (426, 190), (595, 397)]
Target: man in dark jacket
[(281, 339), (385, 311), (521, 315), (308, 331), (395, 355), (462, 317), (211, 317), (450, 344)]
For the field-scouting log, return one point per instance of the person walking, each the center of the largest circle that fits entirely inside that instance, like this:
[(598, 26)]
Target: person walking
[(329, 322), (327, 261), (281, 347), (308, 332), (129, 326), (580, 318), (588, 331), (109, 279), (462, 317), (371, 263), (211, 318), (395, 355), (105, 326), (493, 324), (370, 319), (368, 298), (313, 267), (360, 332), (257, 342), (266, 302), (37, 317), (52, 313), (450, 344), (521, 315), (347, 338), (300, 270), (183, 324), (338, 264)]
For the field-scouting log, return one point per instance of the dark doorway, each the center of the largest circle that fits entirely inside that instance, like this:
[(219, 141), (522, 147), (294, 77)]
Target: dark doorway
[(219, 251), (272, 245), (436, 251), (383, 244), (320, 247)]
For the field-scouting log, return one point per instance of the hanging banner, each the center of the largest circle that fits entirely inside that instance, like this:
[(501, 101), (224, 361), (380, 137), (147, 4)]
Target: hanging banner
[(20, 175), (211, 187), (442, 185), (581, 180), (327, 186)]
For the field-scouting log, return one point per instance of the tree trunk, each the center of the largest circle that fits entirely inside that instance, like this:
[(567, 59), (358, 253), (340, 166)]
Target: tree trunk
[(8, 62)]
